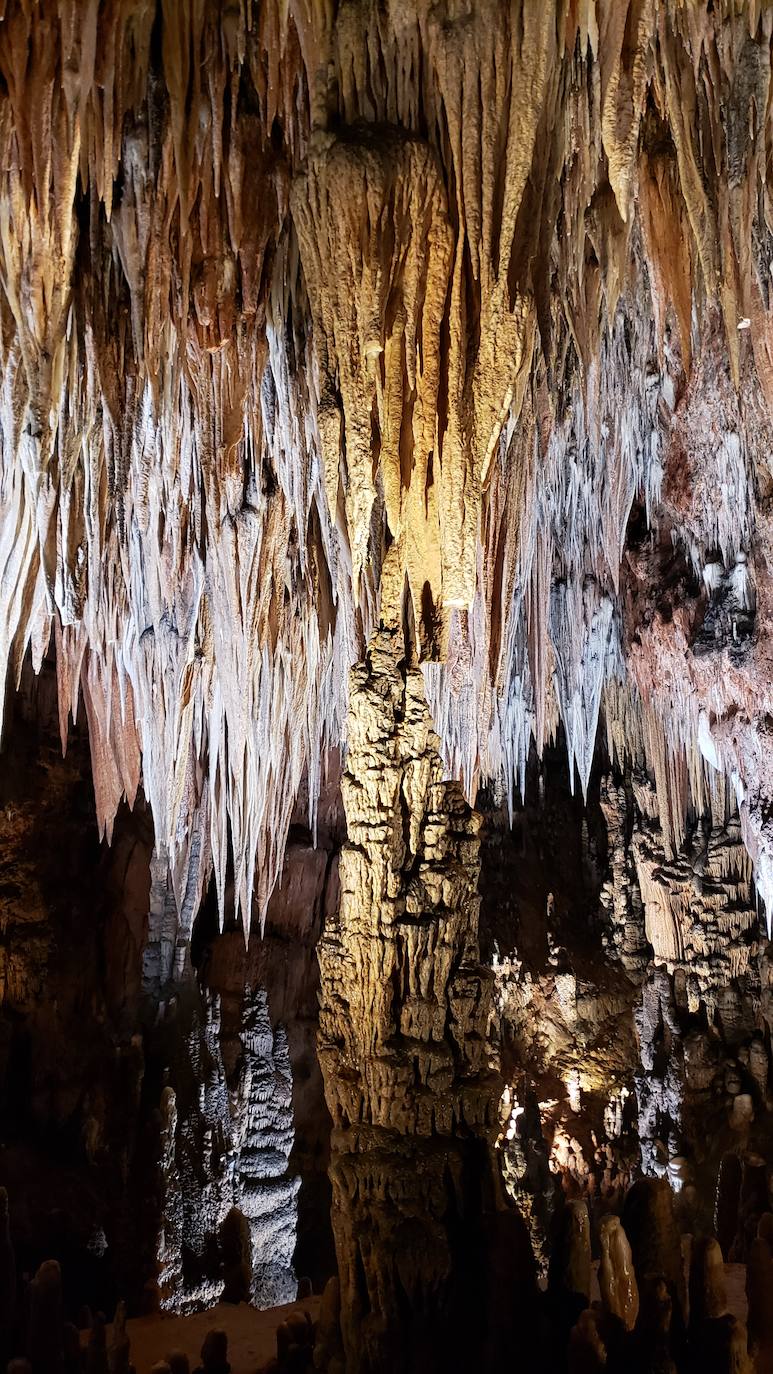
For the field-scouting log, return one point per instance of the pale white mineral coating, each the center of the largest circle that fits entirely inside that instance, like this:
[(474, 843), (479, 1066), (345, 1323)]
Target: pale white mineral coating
[(230, 1148)]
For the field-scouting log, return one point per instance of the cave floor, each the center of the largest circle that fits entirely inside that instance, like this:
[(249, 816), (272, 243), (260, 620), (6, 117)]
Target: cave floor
[(251, 1334)]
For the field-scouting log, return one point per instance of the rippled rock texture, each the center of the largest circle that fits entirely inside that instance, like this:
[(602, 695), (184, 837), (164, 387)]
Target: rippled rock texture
[(421, 1222)]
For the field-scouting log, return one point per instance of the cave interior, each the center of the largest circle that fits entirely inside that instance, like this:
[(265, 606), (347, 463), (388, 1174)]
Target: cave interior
[(386, 594)]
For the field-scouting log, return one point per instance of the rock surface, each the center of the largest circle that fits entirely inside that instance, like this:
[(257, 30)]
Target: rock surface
[(410, 1077)]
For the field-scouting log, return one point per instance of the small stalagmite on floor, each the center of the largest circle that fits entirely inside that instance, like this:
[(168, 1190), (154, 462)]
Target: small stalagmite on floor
[(617, 1280), (656, 1246)]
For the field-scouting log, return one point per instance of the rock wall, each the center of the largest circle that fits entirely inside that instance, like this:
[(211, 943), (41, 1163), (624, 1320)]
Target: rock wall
[(559, 923), (72, 1065), (229, 1210), (583, 1002), (630, 995), (704, 1033), (136, 1120)]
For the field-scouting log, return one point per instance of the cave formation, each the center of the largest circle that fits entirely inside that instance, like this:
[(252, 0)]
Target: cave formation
[(386, 770)]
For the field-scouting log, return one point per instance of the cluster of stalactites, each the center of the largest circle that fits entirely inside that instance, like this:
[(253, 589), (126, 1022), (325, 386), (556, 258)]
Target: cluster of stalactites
[(284, 286), (162, 506)]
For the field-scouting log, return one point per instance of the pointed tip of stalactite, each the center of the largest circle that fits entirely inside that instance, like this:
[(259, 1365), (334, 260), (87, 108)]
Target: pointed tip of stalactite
[(765, 908), (764, 885)]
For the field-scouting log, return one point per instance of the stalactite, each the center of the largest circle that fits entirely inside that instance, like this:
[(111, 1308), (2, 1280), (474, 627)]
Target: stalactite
[(282, 286)]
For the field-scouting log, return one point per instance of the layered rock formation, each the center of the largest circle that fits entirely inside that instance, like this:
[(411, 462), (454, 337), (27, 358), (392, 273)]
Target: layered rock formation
[(410, 1077), (228, 1220), (632, 1017), (702, 1023)]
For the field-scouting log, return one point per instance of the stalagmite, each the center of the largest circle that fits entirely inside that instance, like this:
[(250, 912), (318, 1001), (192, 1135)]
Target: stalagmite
[(224, 1154), (569, 1277), (214, 1354), (649, 1223), (44, 1339), (708, 1297), (95, 1359), (728, 1197), (587, 1353), (328, 1350), (7, 1278), (71, 1347), (759, 1292), (404, 1021), (119, 1346), (617, 1281)]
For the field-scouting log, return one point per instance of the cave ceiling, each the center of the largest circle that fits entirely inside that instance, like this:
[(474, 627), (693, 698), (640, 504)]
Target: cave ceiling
[(322, 319)]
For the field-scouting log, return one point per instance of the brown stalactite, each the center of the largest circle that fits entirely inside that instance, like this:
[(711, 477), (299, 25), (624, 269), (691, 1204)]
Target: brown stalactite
[(371, 216)]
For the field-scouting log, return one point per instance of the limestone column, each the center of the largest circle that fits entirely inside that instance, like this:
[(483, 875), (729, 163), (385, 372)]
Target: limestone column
[(433, 1267)]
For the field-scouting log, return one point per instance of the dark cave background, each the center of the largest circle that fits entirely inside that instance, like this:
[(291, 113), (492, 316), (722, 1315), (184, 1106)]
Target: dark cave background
[(88, 1041)]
